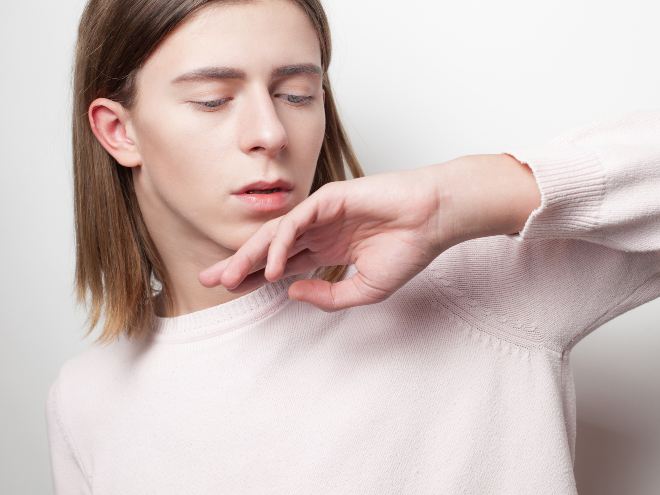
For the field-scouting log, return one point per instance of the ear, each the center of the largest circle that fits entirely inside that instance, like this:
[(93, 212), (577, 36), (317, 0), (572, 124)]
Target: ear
[(112, 127)]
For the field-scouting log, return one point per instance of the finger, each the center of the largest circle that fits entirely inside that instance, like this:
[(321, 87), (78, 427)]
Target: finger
[(294, 266), (211, 276), (300, 263), (334, 297), (292, 226), (256, 246), (249, 283), (249, 255)]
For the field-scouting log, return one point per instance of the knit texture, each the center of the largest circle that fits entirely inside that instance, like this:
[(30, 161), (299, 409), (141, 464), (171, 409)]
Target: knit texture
[(458, 383)]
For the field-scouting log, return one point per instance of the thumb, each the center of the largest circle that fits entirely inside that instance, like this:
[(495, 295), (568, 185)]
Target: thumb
[(315, 292), (330, 297)]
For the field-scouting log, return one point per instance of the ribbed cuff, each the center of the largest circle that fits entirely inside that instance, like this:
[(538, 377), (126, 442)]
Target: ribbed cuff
[(572, 184)]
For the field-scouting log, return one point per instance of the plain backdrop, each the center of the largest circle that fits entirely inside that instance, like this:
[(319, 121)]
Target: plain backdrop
[(418, 82)]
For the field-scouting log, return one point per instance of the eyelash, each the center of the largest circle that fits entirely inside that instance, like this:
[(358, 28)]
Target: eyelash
[(212, 105), (301, 100)]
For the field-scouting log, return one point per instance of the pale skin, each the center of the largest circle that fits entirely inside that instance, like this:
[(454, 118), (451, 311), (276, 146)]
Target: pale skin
[(389, 237), (233, 97)]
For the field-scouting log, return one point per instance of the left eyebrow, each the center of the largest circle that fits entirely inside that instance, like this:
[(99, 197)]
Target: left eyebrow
[(210, 73), (218, 73), (292, 70)]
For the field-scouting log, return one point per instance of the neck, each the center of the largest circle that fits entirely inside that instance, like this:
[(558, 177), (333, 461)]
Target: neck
[(183, 261), (184, 250), (189, 296)]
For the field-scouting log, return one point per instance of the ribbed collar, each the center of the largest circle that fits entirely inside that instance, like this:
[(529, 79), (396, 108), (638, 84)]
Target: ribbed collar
[(245, 310)]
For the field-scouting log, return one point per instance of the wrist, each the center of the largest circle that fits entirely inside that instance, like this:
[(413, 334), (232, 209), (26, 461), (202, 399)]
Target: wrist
[(482, 195)]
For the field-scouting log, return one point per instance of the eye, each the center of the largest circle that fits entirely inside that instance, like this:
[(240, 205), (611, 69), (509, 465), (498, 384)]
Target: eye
[(210, 105), (297, 100)]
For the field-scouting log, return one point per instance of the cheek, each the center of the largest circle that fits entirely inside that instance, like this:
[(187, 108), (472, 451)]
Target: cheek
[(305, 140), (181, 162)]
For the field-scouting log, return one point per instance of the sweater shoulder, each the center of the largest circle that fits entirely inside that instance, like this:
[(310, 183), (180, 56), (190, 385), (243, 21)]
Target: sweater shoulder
[(86, 383), (94, 367), (550, 291), (632, 129)]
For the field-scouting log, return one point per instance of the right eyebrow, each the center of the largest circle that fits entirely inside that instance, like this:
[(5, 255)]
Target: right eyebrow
[(209, 73)]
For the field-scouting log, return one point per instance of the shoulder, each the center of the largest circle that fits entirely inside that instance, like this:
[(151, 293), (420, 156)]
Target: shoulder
[(96, 366), (87, 383), (632, 129)]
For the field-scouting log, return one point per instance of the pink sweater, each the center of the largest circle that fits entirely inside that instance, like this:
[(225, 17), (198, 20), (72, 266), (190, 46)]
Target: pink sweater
[(459, 383)]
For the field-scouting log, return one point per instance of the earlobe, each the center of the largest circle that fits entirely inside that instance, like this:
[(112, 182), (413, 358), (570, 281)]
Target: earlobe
[(109, 122)]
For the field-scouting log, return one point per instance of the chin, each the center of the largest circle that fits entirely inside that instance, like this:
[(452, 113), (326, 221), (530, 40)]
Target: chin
[(235, 238)]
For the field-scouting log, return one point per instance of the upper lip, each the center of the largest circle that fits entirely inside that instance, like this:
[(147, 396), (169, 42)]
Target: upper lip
[(262, 185)]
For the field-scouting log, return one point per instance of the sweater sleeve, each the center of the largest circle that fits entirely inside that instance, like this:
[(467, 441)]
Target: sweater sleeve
[(589, 253), (599, 183), (68, 476)]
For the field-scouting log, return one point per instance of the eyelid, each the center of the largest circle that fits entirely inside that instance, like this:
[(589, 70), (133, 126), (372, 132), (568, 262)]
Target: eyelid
[(204, 105), (211, 105), (297, 88), (304, 99)]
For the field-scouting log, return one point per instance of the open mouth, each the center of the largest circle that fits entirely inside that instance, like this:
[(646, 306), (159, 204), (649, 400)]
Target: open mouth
[(266, 196), (263, 191)]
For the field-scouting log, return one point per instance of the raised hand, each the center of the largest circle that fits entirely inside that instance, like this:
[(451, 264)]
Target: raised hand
[(390, 226)]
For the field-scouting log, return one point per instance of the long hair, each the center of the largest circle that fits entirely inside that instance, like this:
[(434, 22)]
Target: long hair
[(119, 273)]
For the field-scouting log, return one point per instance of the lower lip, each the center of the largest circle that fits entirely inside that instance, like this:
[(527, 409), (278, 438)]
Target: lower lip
[(265, 202)]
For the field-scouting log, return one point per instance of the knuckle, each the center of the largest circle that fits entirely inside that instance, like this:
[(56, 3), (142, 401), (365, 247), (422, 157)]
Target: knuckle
[(271, 226)]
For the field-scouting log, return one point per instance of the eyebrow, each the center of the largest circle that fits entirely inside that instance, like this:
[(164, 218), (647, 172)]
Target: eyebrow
[(220, 73), (292, 70), (209, 73)]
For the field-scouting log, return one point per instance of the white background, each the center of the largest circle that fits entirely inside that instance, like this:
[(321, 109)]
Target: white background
[(418, 82)]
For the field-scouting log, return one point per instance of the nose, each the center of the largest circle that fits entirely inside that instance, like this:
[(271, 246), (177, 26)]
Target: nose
[(261, 131)]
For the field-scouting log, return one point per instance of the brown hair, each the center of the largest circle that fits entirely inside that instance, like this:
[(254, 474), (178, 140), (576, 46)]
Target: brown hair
[(119, 273)]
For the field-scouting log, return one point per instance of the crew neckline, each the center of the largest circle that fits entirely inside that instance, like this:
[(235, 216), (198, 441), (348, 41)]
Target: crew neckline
[(220, 319)]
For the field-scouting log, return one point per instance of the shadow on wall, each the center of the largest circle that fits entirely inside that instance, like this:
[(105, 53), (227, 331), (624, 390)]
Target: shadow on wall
[(608, 462)]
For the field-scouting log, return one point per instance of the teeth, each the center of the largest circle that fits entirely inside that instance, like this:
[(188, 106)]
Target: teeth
[(262, 191)]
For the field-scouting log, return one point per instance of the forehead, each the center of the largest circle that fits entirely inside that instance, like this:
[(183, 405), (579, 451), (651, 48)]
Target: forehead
[(254, 36)]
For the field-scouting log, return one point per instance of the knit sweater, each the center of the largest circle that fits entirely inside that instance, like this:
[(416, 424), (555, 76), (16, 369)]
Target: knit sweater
[(458, 383)]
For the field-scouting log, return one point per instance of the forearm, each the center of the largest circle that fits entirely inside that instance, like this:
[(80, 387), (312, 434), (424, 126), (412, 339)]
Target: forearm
[(480, 196), (598, 183)]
